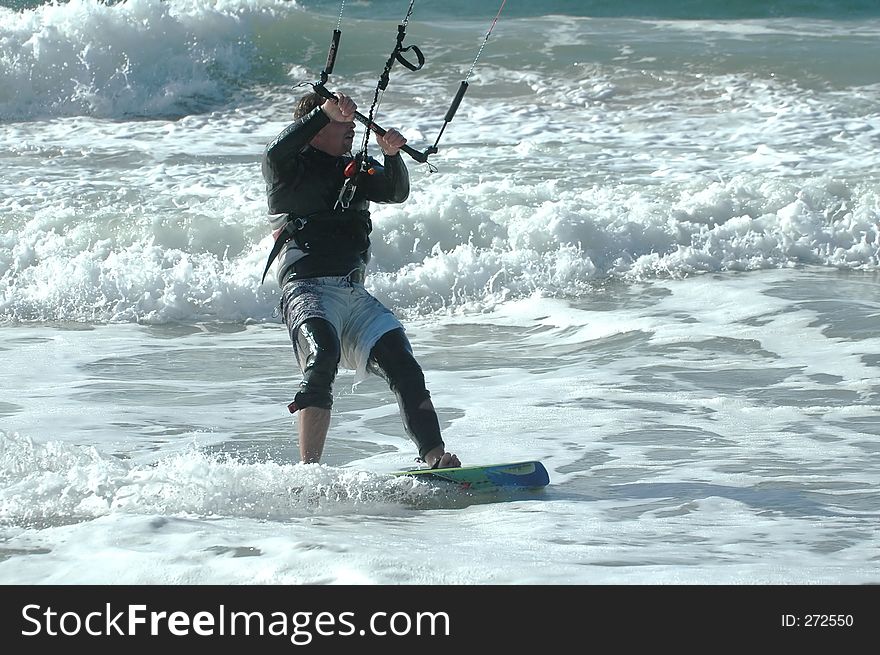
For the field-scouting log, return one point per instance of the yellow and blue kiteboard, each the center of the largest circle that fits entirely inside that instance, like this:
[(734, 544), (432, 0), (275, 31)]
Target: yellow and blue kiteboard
[(494, 477)]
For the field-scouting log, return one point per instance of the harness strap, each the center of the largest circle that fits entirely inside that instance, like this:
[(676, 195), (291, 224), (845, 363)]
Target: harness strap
[(358, 221), (284, 235)]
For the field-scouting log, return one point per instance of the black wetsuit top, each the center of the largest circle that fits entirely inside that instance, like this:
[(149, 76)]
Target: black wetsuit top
[(303, 182)]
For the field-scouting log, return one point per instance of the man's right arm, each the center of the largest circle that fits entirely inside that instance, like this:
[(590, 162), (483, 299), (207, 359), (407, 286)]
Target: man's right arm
[(282, 168), (283, 150)]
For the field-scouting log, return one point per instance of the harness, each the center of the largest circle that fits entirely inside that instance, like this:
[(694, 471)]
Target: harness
[(322, 233)]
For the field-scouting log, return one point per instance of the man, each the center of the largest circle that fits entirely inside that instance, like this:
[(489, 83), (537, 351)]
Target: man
[(319, 209)]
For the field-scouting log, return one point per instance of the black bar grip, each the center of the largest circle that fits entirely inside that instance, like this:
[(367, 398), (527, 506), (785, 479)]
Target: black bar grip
[(456, 101), (324, 92), (420, 157)]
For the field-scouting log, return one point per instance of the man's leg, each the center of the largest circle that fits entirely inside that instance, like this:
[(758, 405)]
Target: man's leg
[(314, 422), (392, 359), (317, 348)]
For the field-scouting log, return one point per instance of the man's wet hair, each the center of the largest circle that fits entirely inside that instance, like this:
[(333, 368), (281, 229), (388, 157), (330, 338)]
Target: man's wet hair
[(306, 104)]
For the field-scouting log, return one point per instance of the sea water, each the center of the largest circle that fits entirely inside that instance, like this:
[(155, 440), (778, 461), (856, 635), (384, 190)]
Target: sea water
[(649, 256)]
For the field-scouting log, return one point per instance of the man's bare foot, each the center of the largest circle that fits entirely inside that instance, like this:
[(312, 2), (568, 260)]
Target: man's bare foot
[(446, 460)]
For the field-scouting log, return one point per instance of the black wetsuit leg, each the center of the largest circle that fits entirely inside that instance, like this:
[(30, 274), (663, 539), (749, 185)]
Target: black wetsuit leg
[(392, 359), (318, 351)]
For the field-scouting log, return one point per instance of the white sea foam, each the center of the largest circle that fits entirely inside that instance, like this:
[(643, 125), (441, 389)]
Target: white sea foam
[(712, 430)]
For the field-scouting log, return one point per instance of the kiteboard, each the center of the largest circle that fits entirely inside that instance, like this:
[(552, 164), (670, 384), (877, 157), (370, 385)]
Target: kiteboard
[(494, 477)]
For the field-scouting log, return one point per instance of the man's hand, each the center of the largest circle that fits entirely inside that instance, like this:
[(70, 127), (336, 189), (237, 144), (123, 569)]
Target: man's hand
[(341, 111), (391, 142)]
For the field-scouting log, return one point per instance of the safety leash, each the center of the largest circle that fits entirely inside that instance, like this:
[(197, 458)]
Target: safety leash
[(396, 56), (382, 84)]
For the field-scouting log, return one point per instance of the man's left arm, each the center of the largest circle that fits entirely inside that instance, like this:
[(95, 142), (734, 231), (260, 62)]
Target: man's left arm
[(391, 183)]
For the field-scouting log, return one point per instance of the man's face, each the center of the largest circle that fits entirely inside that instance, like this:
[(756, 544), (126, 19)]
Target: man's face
[(335, 138)]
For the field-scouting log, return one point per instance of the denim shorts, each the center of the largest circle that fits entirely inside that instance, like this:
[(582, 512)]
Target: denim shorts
[(358, 317)]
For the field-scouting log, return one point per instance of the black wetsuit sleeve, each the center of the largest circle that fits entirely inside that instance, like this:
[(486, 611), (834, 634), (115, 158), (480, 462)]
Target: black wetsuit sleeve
[(391, 185), (281, 155)]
